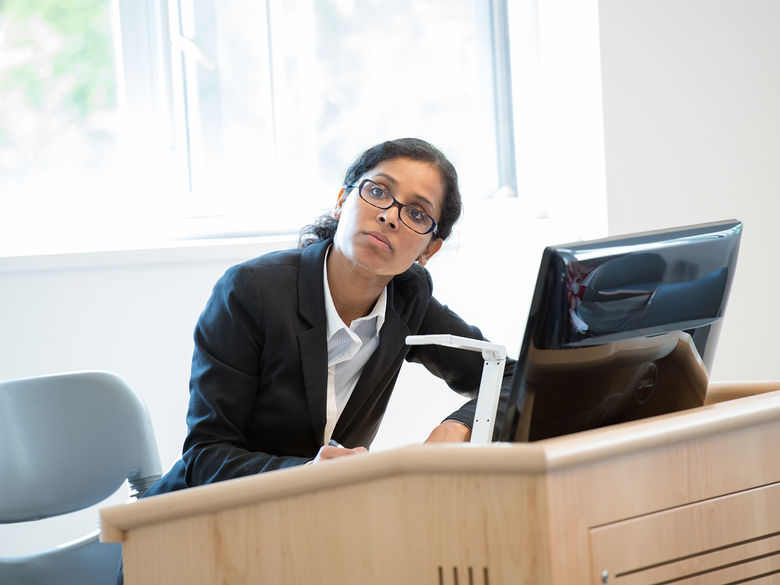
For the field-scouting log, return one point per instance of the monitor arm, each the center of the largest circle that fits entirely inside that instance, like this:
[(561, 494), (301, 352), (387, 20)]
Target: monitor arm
[(490, 385)]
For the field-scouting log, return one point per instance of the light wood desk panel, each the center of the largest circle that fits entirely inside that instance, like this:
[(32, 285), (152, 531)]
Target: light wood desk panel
[(557, 511)]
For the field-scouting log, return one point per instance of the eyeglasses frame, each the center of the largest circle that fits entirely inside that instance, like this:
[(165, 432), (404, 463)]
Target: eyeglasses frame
[(395, 203)]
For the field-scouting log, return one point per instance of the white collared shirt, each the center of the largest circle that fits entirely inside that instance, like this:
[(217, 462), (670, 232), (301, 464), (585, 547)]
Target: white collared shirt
[(349, 348)]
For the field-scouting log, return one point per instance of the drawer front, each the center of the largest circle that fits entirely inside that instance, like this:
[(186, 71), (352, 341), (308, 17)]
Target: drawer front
[(723, 540)]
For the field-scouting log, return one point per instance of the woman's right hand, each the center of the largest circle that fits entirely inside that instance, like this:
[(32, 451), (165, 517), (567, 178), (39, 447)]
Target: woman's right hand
[(329, 452)]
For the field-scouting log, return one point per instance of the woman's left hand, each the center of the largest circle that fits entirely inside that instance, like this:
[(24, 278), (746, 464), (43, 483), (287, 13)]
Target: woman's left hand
[(449, 431)]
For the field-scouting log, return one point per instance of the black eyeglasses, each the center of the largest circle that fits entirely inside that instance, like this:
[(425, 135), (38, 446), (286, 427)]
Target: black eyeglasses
[(412, 217)]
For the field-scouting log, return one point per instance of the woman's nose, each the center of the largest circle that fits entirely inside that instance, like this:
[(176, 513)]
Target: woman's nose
[(390, 217)]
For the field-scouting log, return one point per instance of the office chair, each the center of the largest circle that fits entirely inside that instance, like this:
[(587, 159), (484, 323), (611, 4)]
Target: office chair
[(67, 442)]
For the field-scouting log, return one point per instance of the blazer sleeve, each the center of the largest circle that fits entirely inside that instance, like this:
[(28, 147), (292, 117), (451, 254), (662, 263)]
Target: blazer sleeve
[(460, 369), (224, 384)]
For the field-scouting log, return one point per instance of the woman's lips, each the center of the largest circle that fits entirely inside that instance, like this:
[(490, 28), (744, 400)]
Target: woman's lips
[(380, 239)]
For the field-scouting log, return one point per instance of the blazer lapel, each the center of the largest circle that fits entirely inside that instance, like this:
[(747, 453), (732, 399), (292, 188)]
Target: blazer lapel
[(312, 343), (379, 367)]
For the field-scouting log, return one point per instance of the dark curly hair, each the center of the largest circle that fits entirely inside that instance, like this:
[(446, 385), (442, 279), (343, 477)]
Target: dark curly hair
[(412, 148)]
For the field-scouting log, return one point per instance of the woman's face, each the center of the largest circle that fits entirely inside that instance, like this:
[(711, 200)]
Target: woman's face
[(374, 239)]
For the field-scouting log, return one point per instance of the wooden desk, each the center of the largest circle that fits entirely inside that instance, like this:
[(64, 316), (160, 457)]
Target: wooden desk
[(692, 497)]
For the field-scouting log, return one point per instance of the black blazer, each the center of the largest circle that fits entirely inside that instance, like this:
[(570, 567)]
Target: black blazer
[(259, 371)]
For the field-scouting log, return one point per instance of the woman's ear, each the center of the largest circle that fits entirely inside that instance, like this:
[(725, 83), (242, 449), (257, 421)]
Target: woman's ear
[(433, 246), (339, 203)]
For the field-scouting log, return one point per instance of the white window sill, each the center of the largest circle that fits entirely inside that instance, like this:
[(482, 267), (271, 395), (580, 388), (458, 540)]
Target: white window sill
[(196, 250)]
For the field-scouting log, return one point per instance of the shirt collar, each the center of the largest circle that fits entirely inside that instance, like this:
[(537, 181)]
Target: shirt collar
[(332, 317)]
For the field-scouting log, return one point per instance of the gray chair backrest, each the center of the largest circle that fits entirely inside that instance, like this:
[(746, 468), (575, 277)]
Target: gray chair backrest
[(68, 441)]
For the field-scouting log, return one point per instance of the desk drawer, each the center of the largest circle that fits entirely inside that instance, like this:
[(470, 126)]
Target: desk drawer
[(718, 541)]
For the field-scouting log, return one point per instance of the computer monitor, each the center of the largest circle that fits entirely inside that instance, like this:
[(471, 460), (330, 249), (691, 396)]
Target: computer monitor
[(620, 329)]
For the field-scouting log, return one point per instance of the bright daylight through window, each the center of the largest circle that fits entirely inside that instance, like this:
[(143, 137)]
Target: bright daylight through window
[(127, 122), (58, 112), (281, 96)]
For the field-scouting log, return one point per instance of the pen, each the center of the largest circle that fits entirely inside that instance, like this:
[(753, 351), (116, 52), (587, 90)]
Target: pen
[(334, 443)]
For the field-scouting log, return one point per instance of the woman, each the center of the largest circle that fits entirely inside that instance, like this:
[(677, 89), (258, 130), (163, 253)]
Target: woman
[(300, 347)]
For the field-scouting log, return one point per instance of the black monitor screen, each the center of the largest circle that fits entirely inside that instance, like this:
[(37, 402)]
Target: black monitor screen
[(620, 329)]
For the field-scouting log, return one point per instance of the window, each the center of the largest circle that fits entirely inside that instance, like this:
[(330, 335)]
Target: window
[(59, 111), (125, 121), (280, 97)]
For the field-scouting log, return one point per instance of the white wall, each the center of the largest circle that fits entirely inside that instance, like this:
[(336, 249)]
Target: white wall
[(691, 93)]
